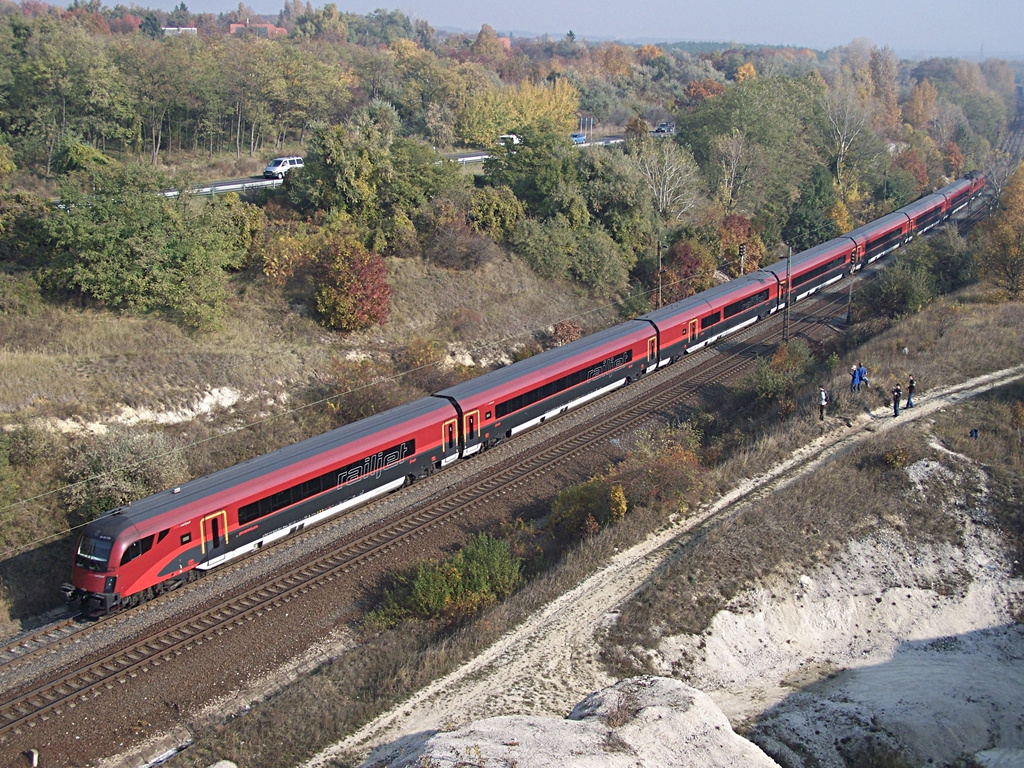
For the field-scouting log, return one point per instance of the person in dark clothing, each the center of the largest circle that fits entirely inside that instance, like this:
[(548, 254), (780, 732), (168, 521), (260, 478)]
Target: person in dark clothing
[(822, 402), (910, 392), (897, 393)]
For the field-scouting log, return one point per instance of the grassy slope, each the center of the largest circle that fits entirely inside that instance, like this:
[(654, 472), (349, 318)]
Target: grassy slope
[(68, 367)]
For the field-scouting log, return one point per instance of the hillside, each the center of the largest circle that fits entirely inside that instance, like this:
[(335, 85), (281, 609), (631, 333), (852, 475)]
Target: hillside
[(898, 642)]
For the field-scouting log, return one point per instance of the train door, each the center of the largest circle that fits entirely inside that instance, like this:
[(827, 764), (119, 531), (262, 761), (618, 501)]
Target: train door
[(652, 352), (692, 331), (449, 441), (213, 533), (471, 425)]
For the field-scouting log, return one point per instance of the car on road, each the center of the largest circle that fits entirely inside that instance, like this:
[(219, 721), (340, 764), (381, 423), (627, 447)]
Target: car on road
[(666, 128), (579, 138), (279, 166)]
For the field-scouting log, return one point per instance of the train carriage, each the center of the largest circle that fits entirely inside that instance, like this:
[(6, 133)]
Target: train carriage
[(504, 402), (693, 323), (162, 538), (925, 213), (875, 239), (957, 195), (813, 269)]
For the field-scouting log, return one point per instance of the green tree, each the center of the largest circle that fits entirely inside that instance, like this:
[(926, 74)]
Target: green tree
[(809, 224), (123, 244), (542, 173)]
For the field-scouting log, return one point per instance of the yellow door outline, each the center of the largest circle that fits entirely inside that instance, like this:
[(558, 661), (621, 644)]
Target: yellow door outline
[(473, 415), (652, 349), (451, 425), (223, 514), (692, 333)]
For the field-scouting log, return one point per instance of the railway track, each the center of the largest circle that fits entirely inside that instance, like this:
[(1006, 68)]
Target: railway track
[(656, 393)]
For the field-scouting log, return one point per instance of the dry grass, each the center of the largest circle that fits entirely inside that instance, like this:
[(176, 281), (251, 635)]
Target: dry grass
[(804, 525), (90, 366)]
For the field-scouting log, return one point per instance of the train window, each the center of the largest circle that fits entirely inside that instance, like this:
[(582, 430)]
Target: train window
[(137, 549), (306, 489), (93, 553), (281, 500), (163, 535), (818, 271), (487, 415), (451, 436), (707, 322), (560, 385), (743, 304), (186, 538)]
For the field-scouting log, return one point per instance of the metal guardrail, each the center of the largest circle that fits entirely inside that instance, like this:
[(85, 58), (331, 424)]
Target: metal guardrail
[(232, 186)]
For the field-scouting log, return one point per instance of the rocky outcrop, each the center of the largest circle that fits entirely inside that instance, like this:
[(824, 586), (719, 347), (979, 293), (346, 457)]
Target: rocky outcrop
[(643, 722)]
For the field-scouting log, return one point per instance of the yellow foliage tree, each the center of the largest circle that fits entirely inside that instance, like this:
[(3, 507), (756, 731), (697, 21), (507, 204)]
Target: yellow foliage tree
[(1001, 244), (617, 60), (746, 72), (920, 107), (491, 112)]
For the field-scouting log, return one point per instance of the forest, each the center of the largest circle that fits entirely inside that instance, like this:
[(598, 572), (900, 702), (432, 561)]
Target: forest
[(774, 148)]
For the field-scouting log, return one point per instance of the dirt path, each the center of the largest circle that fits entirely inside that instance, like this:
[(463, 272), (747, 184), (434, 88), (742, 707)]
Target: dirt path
[(549, 663)]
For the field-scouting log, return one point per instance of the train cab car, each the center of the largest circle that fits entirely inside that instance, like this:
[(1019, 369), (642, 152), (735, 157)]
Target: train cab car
[(925, 213), (693, 323), (158, 542), (813, 269), (978, 182), (509, 400), (875, 239)]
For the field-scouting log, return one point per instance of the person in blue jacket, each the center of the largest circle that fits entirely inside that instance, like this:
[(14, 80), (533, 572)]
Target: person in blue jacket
[(854, 379)]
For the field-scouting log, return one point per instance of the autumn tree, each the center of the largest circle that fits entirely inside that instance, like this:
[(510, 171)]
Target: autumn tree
[(688, 268), (920, 107), (885, 89), (351, 286), (1000, 246)]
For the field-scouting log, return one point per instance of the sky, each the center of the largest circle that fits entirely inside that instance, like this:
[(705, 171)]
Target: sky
[(912, 28)]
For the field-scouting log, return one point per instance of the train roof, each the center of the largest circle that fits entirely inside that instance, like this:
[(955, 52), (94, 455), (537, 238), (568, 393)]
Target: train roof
[(558, 357), (711, 298), (883, 224), (957, 187), (923, 205), (152, 510)]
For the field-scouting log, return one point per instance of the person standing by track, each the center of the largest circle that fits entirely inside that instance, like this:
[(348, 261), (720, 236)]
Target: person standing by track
[(897, 393), (910, 392), (822, 402)]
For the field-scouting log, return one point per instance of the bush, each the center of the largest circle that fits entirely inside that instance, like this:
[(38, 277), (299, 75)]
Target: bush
[(777, 380), (481, 573), (107, 472), (456, 246), (582, 510)]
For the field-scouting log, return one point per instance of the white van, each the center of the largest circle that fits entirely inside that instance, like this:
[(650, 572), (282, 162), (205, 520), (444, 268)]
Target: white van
[(279, 166)]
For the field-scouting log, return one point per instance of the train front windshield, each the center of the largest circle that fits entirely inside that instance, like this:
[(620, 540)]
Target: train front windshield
[(94, 552)]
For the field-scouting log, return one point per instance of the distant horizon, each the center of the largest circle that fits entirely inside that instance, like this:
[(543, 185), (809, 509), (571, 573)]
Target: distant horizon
[(913, 29)]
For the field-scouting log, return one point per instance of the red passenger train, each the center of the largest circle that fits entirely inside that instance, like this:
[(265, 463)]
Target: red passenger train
[(159, 542)]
